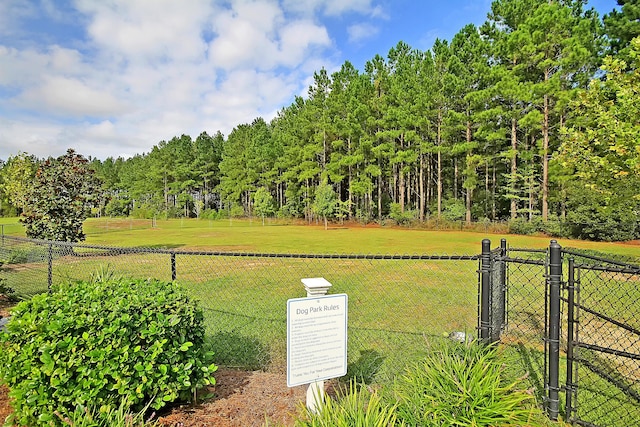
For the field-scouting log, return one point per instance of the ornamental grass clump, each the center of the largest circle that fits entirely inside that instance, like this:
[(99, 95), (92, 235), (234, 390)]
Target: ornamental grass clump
[(355, 407), (460, 385), (103, 344)]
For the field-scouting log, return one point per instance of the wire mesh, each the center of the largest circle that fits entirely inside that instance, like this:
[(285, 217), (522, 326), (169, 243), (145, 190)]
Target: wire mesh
[(606, 378), (526, 295), (398, 304)]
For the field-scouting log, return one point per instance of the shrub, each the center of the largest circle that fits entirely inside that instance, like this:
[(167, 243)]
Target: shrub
[(101, 344), (400, 217), (459, 385), (523, 226), (453, 210)]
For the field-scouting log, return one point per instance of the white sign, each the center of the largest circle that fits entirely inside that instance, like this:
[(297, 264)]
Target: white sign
[(316, 339)]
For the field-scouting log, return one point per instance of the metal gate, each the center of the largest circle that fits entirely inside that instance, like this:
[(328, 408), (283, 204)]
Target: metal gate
[(583, 312)]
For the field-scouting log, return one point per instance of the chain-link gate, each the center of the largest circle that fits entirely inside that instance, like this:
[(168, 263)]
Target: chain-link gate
[(603, 341), (576, 316)]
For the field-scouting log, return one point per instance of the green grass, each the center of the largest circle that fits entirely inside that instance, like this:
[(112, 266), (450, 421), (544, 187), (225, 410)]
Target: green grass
[(397, 309), (251, 236)]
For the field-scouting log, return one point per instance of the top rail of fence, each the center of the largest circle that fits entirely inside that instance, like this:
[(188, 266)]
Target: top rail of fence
[(133, 250), (626, 265)]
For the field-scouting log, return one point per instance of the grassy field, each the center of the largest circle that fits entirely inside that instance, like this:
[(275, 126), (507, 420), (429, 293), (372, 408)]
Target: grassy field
[(396, 307), (251, 236)]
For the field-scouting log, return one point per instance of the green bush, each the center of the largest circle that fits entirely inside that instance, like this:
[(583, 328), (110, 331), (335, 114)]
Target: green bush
[(459, 385), (400, 217), (100, 344)]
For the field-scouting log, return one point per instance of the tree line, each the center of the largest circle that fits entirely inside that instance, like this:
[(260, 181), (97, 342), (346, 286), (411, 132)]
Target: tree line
[(531, 118)]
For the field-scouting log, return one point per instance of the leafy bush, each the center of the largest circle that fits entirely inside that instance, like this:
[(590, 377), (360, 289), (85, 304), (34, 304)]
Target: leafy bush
[(102, 343), (459, 385), (523, 226), (595, 216), (400, 217), (453, 210)]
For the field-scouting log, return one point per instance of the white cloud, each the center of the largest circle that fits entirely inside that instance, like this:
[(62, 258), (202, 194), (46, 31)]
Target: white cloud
[(359, 32), (328, 7), (11, 14), (62, 96), (148, 30), (147, 70)]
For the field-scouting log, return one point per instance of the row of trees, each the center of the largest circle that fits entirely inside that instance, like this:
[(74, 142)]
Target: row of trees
[(498, 123)]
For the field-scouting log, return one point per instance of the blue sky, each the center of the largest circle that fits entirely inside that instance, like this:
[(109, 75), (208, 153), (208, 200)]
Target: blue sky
[(115, 77)]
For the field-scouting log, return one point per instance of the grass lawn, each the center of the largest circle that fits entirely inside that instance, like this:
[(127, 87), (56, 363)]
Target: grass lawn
[(395, 306), (251, 236)]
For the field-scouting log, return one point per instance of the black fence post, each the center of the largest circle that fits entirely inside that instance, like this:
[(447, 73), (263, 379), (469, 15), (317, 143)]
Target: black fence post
[(555, 279), (50, 267), (485, 291), (498, 286), (174, 273), (570, 338), (503, 279)]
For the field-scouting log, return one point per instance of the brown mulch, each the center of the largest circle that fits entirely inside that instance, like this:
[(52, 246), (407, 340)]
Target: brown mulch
[(241, 399)]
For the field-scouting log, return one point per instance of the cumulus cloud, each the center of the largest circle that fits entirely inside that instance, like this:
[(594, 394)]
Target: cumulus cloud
[(328, 7), (359, 32), (126, 74)]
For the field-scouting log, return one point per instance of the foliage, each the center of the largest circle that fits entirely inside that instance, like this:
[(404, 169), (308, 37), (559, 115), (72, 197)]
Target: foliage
[(5, 291), (355, 407), (459, 385), (113, 417), (102, 343), (597, 216), (454, 210), (400, 217), (622, 26), (325, 202), (118, 206), (16, 177), (263, 203), (603, 148), (59, 197)]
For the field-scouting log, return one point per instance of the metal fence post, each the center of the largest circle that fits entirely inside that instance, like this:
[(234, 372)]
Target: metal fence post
[(570, 338), (485, 290), (50, 267), (174, 273), (503, 279), (498, 287), (555, 279)]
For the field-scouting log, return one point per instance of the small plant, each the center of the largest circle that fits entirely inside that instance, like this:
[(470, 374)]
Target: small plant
[(113, 417), (102, 344), (459, 385), (355, 407), (5, 291)]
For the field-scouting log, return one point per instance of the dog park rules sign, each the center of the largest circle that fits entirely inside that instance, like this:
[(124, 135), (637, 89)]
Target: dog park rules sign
[(316, 339)]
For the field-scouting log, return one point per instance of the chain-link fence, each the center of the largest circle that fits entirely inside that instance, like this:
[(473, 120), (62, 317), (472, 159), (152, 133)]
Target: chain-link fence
[(574, 320), (398, 305), (603, 340)]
